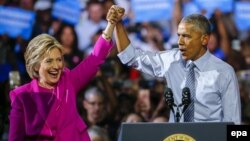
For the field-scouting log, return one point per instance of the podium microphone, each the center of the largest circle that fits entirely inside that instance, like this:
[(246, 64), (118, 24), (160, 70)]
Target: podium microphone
[(168, 94), (169, 97), (185, 98)]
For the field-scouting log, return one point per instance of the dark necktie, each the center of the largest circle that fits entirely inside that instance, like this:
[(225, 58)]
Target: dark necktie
[(190, 83)]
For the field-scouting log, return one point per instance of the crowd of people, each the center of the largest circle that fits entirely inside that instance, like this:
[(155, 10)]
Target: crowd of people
[(116, 93)]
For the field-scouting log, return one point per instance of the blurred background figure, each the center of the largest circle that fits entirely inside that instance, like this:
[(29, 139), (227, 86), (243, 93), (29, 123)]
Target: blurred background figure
[(94, 37), (94, 104), (149, 103), (160, 119), (66, 35), (98, 134), (43, 17), (96, 110), (27, 4), (143, 104), (133, 118), (90, 22)]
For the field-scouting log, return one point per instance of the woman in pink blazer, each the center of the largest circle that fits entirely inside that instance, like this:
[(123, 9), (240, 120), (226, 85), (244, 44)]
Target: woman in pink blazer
[(45, 109)]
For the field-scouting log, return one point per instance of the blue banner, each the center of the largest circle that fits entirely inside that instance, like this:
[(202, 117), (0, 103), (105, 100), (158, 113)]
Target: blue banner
[(190, 8), (16, 22), (210, 5), (152, 10), (242, 15), (67, 10)]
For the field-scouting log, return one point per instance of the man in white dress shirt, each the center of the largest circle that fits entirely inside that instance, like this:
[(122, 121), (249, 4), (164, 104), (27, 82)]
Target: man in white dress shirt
[(217, 97)]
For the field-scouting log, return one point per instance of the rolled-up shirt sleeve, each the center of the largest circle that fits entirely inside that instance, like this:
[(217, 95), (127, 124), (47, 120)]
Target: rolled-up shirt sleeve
[(151, 63)]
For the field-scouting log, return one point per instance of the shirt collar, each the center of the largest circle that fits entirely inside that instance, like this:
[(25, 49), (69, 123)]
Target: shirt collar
[(202, 61), (199, 63)]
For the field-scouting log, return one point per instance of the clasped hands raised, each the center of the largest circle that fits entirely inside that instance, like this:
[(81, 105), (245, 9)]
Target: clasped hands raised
[(115, 14)]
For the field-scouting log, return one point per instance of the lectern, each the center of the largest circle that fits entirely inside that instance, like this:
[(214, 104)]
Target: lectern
[(216, 131)]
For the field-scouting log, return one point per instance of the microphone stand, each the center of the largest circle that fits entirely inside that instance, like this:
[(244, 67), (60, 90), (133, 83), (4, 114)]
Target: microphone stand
[(177, 114)]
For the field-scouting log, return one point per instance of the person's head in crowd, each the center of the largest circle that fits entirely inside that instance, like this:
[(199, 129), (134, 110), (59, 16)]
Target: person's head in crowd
[(143, 103), (214, 46), (106, 5), (97, 133), (44, 60), (147, 99), (213, 43), (54, 26), (194, 34), (95, 10), (27, 4), (133, 118), (93, 103), (66, 35), (94, 38), (42, 9), (125, 106), (152, 34), (42, 5), (159, 87), (127, 87), (218, 41)]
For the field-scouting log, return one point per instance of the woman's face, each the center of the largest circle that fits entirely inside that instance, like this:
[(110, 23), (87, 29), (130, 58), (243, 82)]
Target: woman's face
[(51, 68), (143, 101), (67, 37), (213, 43)]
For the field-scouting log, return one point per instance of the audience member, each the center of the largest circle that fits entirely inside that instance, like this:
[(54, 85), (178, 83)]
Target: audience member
[(66, 35)]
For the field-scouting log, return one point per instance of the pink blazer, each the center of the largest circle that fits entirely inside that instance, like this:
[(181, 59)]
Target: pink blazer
[(41, 114)]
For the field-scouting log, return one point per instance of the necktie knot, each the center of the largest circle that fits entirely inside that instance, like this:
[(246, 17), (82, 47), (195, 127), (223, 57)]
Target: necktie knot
[(191, 66)]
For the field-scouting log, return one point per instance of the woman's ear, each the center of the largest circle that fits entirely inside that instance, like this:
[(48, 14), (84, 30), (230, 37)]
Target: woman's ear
[(205, 39), (37, 68)]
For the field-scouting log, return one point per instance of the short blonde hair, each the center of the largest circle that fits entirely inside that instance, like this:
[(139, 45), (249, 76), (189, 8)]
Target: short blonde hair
[(37, 48)]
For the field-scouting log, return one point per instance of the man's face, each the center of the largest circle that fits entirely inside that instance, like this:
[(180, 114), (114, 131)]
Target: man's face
[(192, 43), (95, 12), (94, 106)]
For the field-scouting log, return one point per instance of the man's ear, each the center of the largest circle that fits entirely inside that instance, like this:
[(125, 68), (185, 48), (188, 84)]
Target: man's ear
[(205, 39)]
